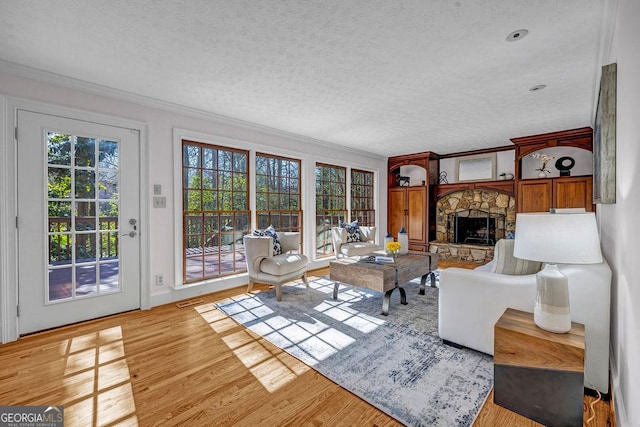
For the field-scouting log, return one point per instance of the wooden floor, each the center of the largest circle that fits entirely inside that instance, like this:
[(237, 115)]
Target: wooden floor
[(188, 366)]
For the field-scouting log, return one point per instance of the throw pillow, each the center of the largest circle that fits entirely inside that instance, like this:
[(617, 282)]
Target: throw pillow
[(506, 263), (270, 232), (353, 231)]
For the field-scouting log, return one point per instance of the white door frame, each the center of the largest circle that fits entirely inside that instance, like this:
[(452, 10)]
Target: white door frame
[(8, 180)]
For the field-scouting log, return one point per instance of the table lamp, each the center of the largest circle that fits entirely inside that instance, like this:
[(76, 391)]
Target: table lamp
[(565, 238)]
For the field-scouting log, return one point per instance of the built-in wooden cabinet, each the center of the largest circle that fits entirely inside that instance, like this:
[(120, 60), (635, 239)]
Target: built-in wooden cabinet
[(412, 207), (534, 195), (542, 194), (408, 209), (574, 192)]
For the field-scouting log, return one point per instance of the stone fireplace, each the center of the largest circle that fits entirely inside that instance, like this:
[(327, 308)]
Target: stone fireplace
[(469, 222)]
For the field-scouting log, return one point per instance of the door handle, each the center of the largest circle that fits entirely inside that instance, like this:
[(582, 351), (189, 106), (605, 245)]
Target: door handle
[(133, 232)]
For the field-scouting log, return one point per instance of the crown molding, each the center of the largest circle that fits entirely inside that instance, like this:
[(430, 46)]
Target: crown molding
[(120, 95)]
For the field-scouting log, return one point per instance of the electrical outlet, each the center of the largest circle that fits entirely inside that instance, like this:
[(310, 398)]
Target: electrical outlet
[(159, 279)]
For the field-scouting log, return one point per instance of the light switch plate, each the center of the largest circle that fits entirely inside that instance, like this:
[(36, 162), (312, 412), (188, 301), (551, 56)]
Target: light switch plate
[(160, 202)]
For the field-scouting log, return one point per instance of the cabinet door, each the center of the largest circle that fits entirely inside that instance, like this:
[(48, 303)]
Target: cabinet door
[(416, 220), (535, 195), (397, 203), (573, 193)]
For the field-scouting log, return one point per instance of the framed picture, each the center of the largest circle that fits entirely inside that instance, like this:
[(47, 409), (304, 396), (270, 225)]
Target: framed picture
[(604, 139), (480, 167)]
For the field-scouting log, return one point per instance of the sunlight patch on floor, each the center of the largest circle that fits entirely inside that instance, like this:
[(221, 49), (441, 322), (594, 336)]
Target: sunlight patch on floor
[(342, 311), (97, 383), (303, 337), (270, 365)]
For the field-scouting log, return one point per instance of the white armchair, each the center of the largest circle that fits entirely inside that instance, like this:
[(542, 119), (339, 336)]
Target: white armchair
[(343, 248), (264, 267), (472, 301)]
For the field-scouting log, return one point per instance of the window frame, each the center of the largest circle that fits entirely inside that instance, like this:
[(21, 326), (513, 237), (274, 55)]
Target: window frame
[(297, 224), (368, 198), (237, 252), (323, 237)]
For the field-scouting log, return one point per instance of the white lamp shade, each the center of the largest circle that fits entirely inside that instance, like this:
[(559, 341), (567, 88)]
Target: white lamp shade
[(558, 238)]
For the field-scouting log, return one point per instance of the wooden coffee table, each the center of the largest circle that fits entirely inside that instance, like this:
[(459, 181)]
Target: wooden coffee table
[(384, 277)]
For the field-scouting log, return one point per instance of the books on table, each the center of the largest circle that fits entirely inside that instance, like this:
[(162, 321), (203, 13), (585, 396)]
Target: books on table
[(378, 259)]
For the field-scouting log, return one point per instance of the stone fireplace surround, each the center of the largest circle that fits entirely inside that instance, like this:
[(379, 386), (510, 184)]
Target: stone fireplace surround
[(460, 200)]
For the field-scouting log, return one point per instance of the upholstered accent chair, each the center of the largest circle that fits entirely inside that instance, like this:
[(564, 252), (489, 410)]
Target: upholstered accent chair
[(472, 301), (345, 245), (265, 267)]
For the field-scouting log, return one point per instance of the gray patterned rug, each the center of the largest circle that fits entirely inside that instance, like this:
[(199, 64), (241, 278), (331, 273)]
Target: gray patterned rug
[(397, 362)]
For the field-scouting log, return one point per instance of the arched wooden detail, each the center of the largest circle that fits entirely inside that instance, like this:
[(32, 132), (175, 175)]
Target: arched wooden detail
[(578, 138)]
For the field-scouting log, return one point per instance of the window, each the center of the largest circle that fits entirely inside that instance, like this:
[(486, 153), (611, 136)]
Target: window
[(362, 204), (215, 208), (331, 189), (278, 196)]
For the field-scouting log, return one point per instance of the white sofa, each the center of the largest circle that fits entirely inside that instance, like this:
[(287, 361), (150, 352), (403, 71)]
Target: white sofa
[(343, 248), (471, 301)]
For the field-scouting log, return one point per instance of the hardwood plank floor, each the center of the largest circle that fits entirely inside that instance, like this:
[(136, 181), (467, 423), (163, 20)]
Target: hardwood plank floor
[(171, 366)]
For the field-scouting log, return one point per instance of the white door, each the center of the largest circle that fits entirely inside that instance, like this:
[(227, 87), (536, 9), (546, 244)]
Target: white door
[(78, 212)]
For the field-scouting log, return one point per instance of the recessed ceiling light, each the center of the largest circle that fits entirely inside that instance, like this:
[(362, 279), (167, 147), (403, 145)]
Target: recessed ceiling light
[(517, 35), (536, 88)]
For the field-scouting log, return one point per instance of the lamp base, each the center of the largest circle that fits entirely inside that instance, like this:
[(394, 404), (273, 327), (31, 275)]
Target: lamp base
[(551, 311)]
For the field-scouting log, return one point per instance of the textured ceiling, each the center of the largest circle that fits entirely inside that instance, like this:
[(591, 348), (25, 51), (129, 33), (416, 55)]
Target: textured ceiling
[(389, 77)]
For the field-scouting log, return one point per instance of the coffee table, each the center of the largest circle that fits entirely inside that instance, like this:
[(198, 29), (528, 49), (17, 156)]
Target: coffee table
[(384, 277)]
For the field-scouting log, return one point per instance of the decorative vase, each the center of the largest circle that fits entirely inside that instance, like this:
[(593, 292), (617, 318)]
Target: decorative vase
[(403, 239), (542, 174), (388, 238)]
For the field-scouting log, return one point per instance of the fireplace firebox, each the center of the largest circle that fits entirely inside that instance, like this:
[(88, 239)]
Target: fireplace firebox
[(475, 227)]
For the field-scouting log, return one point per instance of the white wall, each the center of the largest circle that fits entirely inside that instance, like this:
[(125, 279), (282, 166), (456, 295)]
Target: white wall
[(620, 227), (161, 121)]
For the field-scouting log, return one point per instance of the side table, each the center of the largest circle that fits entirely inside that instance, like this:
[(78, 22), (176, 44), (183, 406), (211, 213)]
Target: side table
[(539, 374)]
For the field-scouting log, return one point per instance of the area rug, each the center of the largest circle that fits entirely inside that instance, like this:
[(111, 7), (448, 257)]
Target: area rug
[(396, 362)]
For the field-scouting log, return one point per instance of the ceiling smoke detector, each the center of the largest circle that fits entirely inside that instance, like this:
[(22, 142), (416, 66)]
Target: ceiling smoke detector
[(536, 88), (517, 35)]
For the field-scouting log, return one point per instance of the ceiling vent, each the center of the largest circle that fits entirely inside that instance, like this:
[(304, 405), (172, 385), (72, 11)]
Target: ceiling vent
[(517, 35), (536, 88)]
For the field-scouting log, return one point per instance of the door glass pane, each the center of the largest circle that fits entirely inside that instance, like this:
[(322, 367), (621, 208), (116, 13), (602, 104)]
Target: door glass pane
[(83, 224), (59, 183), (85, 214), (85, 151), (109, 245), (86, 280), (109, 277), (60, 283), (108, 154), (108, 185), (58, 149), (85, 184)]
